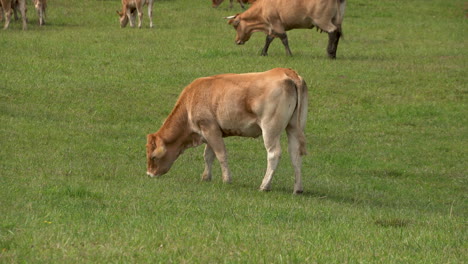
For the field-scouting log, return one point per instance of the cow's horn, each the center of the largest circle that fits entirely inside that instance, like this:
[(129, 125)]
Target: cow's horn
[(159, 152), (230, 17)]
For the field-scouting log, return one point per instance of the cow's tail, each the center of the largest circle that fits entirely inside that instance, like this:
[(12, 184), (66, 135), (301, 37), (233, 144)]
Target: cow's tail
[(301, 111)]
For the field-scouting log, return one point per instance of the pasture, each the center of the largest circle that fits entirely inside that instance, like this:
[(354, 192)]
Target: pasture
[(385, 180)]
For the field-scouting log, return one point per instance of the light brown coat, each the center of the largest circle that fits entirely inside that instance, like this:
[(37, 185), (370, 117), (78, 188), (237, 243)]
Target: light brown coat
[(275, 17), (129, 7), (248, 105)]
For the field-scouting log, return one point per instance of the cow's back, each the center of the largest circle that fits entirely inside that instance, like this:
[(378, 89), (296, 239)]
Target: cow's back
[(239, 102), (301, 13)]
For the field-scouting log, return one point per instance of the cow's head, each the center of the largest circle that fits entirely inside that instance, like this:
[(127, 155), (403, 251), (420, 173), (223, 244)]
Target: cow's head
[(240, 25), (159, 156), (123, 19)]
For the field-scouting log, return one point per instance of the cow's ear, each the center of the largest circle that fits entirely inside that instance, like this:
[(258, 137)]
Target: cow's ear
[(159, 152), (119, 13), (160, 149)]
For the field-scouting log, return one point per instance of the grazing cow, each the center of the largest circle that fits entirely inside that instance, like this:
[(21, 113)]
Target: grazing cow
[(8, 6), (248, 105), (275, 17), (14, 7), (128, 12), (216, 3), (41, 6)]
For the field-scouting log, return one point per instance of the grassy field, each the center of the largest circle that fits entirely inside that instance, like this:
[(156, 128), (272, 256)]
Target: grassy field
[(386, 176)]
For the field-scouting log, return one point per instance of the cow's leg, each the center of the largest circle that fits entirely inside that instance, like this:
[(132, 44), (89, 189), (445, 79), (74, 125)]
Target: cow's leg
[(7, 10), (15, 6), (22, 6), (150, 12), (131, 17), (284, 39), (40, 7), (214, 139), (140, 15), (268, 41), (296, 158), (209, 156), (333, 38), (7, 20), (241, 4), (273, 147)]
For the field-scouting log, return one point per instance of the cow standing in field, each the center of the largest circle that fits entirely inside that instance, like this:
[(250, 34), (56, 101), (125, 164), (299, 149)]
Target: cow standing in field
[(275, 17), (8, 6), (41, 6), (14, 7), (129, 7), (247, 105), (216, 3)]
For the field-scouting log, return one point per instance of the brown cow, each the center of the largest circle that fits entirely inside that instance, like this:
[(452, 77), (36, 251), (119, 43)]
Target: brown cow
[(248, 105), (275, 17), (216, 3), (14, 7), (41, 6), (8, 6), (128, 12)]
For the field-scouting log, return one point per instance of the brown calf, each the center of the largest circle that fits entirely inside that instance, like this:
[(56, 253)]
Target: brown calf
[(129, 7), (248, 105)]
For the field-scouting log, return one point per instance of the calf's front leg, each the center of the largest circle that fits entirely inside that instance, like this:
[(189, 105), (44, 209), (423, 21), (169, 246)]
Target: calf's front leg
[(131, 17), (214, 139)]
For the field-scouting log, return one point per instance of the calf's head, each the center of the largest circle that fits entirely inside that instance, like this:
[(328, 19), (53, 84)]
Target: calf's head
[(158, 156), (240, 25), (123, 19)]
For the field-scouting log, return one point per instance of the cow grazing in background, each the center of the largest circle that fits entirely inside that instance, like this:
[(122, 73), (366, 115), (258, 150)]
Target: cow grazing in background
[(247, 105), (10, 6), (129, 7), (41, 6), (275, 17), (14, 6), (216, 3)]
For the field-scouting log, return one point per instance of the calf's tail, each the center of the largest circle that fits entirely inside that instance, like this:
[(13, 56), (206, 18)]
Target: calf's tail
[(301, 109)]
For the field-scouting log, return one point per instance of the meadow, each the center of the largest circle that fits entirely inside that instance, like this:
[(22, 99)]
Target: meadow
[(385, 178)]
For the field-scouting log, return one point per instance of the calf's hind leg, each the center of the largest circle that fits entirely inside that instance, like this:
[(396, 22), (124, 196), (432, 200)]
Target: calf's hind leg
[(296, 158), (209, 156), (273, 147)]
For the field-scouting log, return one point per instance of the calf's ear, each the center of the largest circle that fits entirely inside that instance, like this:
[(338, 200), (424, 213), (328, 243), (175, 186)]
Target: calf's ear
[(159, 152)]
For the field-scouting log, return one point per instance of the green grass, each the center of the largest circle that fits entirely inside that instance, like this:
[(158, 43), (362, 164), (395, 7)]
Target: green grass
[(385, 179)]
